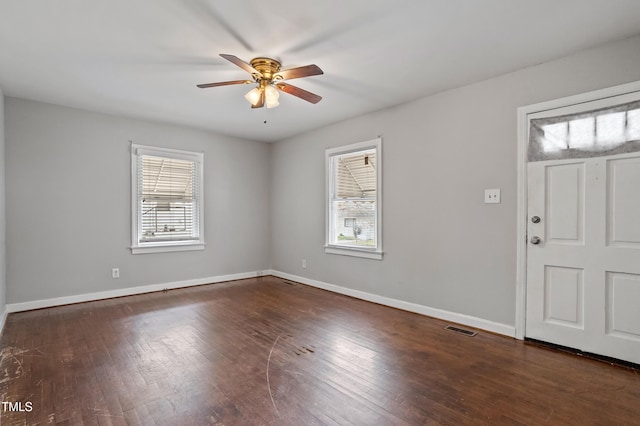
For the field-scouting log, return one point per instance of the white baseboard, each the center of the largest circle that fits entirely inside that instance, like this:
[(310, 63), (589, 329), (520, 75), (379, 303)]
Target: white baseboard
[(47, 303), (494, 327)]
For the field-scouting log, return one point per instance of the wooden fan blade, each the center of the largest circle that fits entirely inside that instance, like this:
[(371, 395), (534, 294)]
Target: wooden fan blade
[(260, 103), (306, 71), (242, 64), (224, 83), (301, 93)]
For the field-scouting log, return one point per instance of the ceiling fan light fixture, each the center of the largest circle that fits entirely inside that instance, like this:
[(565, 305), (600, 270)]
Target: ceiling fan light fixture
[(253, 96), (271, 96)]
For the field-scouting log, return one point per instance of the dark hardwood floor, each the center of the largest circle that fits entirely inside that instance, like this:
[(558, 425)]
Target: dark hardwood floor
[(261, 351)]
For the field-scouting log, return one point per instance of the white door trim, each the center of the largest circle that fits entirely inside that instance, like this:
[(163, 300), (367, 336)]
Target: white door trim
[(523, 139)]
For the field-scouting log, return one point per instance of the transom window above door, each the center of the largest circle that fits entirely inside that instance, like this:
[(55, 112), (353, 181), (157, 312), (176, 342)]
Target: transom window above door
[(606, 131)]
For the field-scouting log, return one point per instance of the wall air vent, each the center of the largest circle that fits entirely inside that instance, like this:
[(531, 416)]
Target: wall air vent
[(461, 330)]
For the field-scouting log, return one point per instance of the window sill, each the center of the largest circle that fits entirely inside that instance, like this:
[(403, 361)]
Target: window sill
[(355, 252), (164, 248)]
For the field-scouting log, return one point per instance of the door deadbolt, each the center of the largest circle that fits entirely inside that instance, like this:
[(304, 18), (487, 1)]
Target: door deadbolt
[(535, 240), (535, 219)]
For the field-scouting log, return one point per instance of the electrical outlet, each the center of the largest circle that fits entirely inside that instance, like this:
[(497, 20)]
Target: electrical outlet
[(491, 196), (115, 273), (304, 263)]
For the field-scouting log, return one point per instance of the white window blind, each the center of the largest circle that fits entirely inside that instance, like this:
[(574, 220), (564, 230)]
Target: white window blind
[(167, 197)]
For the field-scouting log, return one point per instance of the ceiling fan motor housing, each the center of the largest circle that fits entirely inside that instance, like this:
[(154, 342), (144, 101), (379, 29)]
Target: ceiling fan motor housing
[(266, 66)]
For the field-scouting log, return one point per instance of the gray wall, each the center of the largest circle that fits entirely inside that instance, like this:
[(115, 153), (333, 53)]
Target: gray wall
[(3, 278), (444, 248), (69, 204), (68, 195)]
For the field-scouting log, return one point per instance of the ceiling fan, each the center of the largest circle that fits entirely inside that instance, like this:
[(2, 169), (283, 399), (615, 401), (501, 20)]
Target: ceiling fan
[(266, 73)]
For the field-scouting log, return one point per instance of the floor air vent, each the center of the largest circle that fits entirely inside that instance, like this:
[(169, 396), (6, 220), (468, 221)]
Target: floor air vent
[(461, 330), (288, 282)]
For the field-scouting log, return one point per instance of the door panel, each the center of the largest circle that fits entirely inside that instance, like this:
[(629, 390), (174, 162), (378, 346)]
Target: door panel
[(563, 299), (623, 313), (565, 203), (583, 274), (623, 209)]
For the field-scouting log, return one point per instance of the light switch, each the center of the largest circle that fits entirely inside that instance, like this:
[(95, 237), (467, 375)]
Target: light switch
[(491, 196)]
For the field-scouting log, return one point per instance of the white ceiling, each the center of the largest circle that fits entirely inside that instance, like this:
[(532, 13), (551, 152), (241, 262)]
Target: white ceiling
[(143, 58)]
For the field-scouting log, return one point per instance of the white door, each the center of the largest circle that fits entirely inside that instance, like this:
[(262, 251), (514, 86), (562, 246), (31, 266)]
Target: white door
[(583, 254)]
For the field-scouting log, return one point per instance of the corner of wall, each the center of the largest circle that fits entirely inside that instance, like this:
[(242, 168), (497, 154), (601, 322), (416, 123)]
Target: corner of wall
[(3, 275)]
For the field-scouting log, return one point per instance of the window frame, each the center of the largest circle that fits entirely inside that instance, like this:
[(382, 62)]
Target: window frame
[(165, 246), (376, 252)]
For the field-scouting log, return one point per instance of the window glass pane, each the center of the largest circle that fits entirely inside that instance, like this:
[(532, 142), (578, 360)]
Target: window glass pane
[(555, 136), (610, 128), (167, 178), (356, 174), (354, 223), (163, 221), (581, 133), (633, 124)]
